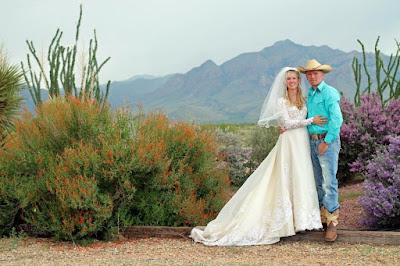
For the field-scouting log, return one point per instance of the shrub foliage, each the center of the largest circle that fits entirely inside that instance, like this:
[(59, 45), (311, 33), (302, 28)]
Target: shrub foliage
[(365, 128), (76, 169), (370, 134), (10, 100), (262, 140), (236, 155), (381, 202)]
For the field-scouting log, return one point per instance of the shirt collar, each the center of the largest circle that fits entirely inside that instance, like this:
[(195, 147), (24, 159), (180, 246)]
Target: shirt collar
[(320, 87)]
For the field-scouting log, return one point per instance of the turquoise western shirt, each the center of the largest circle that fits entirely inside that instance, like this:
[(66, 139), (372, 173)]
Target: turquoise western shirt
[(325, 102)]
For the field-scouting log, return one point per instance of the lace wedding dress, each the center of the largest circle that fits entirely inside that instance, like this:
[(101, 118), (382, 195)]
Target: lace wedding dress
[(278, 199)]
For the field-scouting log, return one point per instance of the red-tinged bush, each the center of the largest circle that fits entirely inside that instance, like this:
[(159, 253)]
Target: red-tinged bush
[(75, 169), (177, 174), (52, 167)]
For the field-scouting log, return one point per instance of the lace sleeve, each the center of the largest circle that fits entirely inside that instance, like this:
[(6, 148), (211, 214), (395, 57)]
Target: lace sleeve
[(290, 123)]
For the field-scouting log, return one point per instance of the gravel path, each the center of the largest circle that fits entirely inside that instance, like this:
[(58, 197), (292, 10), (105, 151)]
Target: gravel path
[(155, 251), (350, 209)]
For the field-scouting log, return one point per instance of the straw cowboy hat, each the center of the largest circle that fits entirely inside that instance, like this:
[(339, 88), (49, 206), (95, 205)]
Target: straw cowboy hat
[(314, 65)]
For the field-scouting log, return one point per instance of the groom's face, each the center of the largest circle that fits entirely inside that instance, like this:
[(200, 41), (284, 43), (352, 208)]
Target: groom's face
[(315, 77)]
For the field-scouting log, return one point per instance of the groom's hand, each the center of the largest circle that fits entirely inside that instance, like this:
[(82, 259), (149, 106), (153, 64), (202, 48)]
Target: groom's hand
[(323, 146)]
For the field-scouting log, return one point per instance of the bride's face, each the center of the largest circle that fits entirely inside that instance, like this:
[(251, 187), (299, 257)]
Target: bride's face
[(292, 81)]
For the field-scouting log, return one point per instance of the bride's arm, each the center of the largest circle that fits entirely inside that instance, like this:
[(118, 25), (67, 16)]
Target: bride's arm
[(286, 122)]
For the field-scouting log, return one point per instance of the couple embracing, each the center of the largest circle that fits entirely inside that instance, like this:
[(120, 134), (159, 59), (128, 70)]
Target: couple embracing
[(295, 188)]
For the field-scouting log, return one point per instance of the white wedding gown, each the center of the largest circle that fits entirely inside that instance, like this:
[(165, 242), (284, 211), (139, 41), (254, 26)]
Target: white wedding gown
[(278, 199)]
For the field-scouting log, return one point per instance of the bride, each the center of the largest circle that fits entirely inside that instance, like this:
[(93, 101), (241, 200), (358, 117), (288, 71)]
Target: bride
[(279, 198)]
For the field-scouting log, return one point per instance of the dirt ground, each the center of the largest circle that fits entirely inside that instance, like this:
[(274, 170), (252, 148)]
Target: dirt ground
[(350, 209), (153, 251)]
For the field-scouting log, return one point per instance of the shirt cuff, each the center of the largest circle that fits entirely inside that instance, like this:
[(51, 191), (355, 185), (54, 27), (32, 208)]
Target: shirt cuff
[(329, 137)]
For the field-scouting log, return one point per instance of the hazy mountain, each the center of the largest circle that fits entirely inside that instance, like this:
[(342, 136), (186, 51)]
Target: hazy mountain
[(235, 90), (132, 90), (129, 91)]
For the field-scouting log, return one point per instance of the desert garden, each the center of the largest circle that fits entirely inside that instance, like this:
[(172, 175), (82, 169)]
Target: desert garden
[(76, 171)]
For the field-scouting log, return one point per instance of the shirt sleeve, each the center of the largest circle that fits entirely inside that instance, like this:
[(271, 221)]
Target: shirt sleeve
[(288, 123), (335, 116)]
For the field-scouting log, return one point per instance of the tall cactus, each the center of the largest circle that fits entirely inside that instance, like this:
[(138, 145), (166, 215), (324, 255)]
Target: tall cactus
[(62, 62), (389, 79), (357, 78), (392, 81)]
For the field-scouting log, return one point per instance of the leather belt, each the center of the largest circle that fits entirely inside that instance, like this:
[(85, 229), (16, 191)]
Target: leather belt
[(315, 136)]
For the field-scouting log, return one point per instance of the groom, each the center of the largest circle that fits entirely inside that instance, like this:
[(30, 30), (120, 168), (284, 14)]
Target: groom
[(325, 143)]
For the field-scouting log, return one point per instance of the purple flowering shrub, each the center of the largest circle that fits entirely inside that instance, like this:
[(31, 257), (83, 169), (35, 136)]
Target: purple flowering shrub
[(381, 202), (237, 155), (365, 128)]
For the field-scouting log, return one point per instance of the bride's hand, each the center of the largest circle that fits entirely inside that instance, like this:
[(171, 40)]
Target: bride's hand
[(281, 130), (319, 120)]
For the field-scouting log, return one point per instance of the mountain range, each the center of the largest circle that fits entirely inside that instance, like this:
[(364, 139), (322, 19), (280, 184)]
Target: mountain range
[(234, 91)]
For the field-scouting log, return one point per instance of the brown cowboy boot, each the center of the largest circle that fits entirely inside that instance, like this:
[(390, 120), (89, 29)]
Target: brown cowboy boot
[(331, 233), (332, 221), (323, 218)]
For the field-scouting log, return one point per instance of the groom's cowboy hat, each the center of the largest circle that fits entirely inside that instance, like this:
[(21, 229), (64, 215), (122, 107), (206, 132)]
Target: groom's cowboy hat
[(314, 65)]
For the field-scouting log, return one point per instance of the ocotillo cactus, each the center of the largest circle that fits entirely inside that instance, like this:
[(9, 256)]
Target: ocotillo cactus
[(357, 78), (62, 61), (392, 82), (388, 81)]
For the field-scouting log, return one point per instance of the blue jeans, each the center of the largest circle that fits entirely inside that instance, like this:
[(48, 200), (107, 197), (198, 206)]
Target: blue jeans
[(325, 169)]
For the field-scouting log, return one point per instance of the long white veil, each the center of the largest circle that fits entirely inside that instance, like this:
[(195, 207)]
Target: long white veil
[(270, 111)]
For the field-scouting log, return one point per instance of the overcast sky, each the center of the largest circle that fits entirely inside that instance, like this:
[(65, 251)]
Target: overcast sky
[(160, 37)]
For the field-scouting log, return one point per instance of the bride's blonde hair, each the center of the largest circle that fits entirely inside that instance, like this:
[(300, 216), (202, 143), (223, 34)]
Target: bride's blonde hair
[(300, 99)]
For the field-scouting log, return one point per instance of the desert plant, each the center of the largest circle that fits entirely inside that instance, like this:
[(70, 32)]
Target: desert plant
[(381, 202), (237, 155), (181, 179), (10, 100), (52, 167), (76, 169), (62, 62), (262, 140), (365, 128), (389, 80)]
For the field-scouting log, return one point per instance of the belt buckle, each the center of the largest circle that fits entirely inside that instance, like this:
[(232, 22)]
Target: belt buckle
[(314, 136)]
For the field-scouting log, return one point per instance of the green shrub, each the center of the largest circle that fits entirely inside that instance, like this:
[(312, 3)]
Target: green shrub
[(182, 180), (76, 169), (55, 163), (262, 140), (9, 204)]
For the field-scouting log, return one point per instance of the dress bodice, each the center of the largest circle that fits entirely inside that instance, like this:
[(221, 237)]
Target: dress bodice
[(292, 116)]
